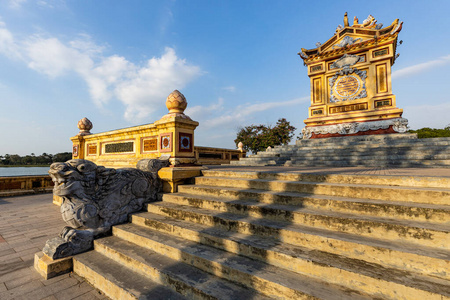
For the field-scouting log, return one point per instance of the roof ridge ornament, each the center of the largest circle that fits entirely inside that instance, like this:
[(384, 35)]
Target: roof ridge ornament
[(397, 28), (346, 60), (369, 22), (347, 40)]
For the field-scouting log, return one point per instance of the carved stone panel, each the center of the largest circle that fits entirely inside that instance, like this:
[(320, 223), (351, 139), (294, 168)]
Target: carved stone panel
[(119, 147), (150, 144), (348, 84)]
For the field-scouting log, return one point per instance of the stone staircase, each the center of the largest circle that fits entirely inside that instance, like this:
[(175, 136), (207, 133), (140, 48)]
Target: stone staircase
[(266, 235), (399, 150)]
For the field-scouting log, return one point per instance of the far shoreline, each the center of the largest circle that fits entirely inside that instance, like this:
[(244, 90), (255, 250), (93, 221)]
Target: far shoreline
[(23, 166)]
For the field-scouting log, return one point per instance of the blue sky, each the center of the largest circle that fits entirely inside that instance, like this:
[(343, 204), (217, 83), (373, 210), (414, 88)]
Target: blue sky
[(236, 62)]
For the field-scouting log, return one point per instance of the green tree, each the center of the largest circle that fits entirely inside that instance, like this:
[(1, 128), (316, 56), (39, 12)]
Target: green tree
[(258, 137), (15, 159), (62, 157), (27, 160), (428, 132), (6, 159)]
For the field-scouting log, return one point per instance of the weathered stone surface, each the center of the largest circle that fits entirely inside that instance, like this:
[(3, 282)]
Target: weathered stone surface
[(94, 199), (390, 150), (49, 268), (286, 235), (153, 165)]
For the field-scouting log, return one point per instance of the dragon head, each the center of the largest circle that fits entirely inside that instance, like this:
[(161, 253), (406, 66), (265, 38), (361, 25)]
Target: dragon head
[(73, 177)]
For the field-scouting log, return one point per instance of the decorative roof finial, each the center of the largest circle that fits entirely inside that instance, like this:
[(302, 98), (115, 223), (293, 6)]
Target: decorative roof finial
[(345, 20), (85, 126)]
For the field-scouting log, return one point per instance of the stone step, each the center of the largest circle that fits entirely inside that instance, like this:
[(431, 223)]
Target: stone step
[(416, 154), (341, 163), (118, 282), (348, 140), (350, 161), (350, 273), (276, 159), (440, 196), (427, 234), (387, 180), (393, 143), (270, 280), (441, 146), (255, 164), (356, 155), (384, 209), (279, 245), (394, 138), (359, 146), (171, 268), (373, 163), (349, 155)]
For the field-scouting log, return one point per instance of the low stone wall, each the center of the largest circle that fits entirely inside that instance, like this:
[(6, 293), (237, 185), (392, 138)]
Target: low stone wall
[(22, 185), (216, 156)]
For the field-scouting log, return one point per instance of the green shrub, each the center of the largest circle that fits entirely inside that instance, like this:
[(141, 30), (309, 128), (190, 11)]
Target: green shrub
[(427, 132)]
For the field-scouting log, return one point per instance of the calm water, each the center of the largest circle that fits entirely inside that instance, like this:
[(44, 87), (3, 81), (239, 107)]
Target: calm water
[(22, 171)]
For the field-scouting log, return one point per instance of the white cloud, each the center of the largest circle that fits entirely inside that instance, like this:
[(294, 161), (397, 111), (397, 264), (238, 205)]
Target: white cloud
[(103, 79), (420, 67), (44, 4), (219, 122), (16, 3), (150, 84), (229, 88), (51, 57), (8, 45), (141, 88), (215, 116), (199, 111)]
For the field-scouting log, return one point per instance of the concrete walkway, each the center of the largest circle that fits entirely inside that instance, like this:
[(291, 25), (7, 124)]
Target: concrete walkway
[(27, 222)]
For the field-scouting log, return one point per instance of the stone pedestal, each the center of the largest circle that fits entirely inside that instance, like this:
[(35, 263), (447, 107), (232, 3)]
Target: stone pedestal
[(49, 268), (174, 176)]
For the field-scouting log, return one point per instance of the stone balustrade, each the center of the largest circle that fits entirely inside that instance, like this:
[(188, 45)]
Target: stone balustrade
[(21, 185), (216, 156), (171, 136)]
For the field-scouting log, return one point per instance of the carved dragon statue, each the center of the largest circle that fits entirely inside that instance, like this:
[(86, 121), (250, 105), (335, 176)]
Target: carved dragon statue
[(95, 198)]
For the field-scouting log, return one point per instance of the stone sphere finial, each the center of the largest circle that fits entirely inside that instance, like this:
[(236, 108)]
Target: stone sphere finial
[(85, 126), (240, 146), (176, 102)]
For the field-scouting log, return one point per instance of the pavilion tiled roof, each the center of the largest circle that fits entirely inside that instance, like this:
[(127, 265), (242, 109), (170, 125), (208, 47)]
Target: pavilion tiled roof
[(385, 35)]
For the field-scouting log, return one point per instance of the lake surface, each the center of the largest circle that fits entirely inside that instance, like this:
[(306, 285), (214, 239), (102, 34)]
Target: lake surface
[(23, 171)]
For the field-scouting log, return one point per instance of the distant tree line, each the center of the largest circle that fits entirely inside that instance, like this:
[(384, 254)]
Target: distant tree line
[(427, 132), (33, 160)]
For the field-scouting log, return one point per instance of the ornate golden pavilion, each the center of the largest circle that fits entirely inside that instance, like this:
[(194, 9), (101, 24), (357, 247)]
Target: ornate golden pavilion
[(351, 90)]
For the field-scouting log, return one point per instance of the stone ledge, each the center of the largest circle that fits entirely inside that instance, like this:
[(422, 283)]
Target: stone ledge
[(49, 268), (174, 176), (13, 193)]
